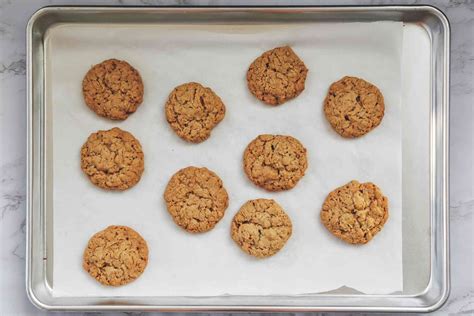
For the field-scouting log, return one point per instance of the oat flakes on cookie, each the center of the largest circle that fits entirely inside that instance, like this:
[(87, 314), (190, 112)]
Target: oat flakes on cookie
[(193, 111), (355, 212), (275, 162), (115, 256), (261, 228), (196, 199), (277, 76), (112, 159), (113, 89), (353, 107)]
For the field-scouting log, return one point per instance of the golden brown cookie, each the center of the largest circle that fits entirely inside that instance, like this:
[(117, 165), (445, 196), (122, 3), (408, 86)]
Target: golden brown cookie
[(196, 199), (261, 228), (275, 162), (112, 159), (277, 76), (193, 111), (113, 89), (355, 212), (353, 107), (115, 256)]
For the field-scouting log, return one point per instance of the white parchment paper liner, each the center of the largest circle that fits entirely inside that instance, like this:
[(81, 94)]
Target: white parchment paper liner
[(218, 56)]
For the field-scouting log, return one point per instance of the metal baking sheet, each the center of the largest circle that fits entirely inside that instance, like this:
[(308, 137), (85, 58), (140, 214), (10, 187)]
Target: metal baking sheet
[(424, 141), (166, 56)]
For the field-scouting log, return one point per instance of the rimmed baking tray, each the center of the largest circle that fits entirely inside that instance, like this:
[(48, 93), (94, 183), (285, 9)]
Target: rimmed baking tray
[(425, 105)]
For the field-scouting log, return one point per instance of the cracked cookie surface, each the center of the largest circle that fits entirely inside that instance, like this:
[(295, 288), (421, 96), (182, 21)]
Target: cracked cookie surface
[(355, 212), (112, 159), (275, 162), (115, 256), (353, 107), (196, 199), (261, 228), (193, 111), (277, 76), (113, 89)]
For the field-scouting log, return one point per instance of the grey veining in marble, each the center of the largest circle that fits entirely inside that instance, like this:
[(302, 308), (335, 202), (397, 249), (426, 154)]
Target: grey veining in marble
[(13, 18)]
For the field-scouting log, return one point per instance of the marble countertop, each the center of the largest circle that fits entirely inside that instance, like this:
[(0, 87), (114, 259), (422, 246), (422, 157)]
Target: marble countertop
[(13, 18)]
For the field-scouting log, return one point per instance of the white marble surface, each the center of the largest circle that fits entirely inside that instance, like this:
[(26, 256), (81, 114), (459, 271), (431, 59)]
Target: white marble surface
[(13, 18)]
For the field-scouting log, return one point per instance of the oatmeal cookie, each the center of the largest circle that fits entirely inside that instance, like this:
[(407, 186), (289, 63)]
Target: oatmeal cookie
[(261, 228), (113, 89), (193, 111), (275, 162), (355, 212), (277, 76), (196, 199), (353, 107), (112, 159), (115, 256)]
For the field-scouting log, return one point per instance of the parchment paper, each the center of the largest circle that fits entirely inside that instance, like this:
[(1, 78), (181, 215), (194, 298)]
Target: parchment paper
[(218, 56)]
